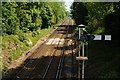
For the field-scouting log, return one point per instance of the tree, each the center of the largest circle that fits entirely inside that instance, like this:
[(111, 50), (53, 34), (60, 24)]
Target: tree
[(29, 16), (79, 12), (91, 14), (10, 21)]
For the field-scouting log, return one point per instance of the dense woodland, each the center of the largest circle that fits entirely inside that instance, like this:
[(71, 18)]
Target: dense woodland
[(30, 16), (99, 17)]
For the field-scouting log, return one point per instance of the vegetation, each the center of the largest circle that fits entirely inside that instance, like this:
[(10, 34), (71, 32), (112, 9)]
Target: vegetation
[(100, 18), (24, 23), (94, 14), (103, 60), (30, 16)]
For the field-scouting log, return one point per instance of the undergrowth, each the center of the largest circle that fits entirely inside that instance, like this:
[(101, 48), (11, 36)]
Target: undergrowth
[(17, 44), (103, 60)]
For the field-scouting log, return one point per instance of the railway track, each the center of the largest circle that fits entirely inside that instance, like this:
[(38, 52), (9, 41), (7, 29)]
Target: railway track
[(51, 65), (26, 63), (48, 60), (56, 60)]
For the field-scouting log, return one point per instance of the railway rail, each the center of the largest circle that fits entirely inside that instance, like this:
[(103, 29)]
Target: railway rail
[(19, 70), (60, 63), (47, 61), (59, 60)]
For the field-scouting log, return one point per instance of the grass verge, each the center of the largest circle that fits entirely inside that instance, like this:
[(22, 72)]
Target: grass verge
[(13, 47)]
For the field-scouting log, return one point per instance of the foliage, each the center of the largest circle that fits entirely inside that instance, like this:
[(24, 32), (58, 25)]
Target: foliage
[(21, 36), (91, 14), (102, 18), (111, 75), (97, 13), (20, 24), (79, 12), (101, 59), (35, 33), (9, 17), (29, 16), (20, 46)]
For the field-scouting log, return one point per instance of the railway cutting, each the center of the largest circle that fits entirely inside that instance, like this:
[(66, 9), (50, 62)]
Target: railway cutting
[(51, 60)]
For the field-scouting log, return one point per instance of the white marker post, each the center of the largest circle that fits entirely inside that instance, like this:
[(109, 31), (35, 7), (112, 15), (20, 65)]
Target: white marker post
[(85, 37), (79, 73), (79, 54)]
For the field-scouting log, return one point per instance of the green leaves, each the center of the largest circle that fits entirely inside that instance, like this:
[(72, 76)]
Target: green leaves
[(9, 18), (29, 16), (91, 14), (97, 13), (79, 12)]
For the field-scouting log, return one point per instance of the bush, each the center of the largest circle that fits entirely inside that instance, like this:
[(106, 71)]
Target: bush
[(22, 38), (21, 35), (28, 42), (38, 33), (4, 67), (4, 34), (4, 46), (25, 29), (10, 58), (35, 33)]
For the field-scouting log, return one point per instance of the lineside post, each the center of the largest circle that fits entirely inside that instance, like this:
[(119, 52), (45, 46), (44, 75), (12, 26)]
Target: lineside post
[(81, 55), (84, 37)]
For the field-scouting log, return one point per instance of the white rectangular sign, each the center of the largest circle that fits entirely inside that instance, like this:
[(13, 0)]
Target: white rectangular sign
[(107, 37), (98, 37)]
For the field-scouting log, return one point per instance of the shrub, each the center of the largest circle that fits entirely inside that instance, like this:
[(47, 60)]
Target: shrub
[(4, 34), (22, 37), (4, 46), (34, 34), (25, 29), (10, 58), (4, 67), (38, 33), (28, 42)]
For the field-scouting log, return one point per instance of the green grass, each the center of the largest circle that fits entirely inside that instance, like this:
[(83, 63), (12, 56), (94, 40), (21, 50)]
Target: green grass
[(43, 33), (20, 46)]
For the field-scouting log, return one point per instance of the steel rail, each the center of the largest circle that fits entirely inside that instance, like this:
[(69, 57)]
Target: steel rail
[(13, 75), (19, 72), (37, 63), (48, 67), (59, 70), (51, 60)]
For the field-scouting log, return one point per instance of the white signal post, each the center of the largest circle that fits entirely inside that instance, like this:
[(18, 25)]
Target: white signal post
[(81, 57), (82, 39)]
